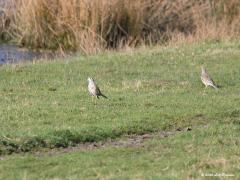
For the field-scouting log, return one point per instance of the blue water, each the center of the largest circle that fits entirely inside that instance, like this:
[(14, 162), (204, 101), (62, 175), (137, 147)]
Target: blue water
[(14, 54)]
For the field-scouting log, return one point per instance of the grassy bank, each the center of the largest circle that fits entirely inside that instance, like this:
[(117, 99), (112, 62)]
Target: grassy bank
[(46, 104)]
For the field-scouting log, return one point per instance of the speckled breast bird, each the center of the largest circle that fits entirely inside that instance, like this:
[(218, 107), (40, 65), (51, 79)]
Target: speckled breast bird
[(94, 89), (206, 79)]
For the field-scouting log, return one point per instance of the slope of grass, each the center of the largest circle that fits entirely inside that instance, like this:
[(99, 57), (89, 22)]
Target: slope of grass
[(46, 104)]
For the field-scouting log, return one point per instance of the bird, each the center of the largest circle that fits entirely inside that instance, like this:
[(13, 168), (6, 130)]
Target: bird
[(94, 89), (206, 79)]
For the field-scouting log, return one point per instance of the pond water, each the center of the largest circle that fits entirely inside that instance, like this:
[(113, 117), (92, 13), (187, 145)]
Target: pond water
[(14, 54)]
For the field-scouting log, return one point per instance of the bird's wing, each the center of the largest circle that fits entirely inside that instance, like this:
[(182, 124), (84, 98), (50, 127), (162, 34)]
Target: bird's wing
[(98, 91), (209, 79)]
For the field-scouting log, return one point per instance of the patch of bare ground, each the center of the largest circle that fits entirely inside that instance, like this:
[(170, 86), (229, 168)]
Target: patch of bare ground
[(124, 141)]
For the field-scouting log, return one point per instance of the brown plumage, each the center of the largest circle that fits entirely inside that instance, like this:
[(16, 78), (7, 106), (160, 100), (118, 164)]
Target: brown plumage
[(94, 89), (206, 79)]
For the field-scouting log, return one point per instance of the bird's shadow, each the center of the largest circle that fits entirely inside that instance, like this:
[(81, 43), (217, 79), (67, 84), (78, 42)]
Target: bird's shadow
[(220, 86)]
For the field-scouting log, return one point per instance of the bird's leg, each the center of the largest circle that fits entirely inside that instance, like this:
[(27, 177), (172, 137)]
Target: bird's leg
[(95, 100), (204, 90)]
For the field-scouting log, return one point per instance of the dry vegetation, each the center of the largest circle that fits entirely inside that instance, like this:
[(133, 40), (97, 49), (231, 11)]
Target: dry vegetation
[(90, 26)]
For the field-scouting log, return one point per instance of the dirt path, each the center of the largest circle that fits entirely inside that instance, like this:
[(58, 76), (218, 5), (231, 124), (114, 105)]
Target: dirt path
[(124, 141)]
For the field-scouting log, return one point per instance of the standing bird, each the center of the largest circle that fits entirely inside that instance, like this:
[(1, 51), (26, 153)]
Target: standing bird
[(94, 89), (206, 79)]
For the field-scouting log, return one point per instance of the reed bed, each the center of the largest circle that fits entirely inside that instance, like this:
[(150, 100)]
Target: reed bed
[(92, 26)]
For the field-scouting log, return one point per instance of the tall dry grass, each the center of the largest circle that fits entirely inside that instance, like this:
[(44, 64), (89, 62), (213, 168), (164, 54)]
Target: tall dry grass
[(218, 21), (91, 26)]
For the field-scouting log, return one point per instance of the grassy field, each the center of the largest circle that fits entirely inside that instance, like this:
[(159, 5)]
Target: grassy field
[(46, 105)]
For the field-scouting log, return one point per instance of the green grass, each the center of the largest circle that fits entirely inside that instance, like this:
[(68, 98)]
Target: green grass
[(46, 105), (210, 150)]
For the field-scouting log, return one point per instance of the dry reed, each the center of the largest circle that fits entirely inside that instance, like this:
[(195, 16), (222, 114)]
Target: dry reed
[(91, 26)]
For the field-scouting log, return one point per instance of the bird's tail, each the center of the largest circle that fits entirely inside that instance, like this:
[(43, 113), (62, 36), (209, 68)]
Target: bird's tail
[(104, 96), (215, 87)]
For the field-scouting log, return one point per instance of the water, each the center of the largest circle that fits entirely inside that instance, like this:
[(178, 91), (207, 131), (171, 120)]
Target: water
[(15, 54)]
